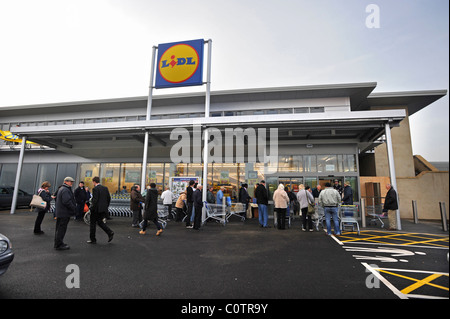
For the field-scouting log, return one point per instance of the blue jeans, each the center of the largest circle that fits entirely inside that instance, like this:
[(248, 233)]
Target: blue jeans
[(263, 216), (332, 211)]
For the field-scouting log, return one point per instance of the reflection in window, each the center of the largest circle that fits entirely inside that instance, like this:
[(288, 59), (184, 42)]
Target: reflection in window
[(110, 177), (310, 163), (326, 163)]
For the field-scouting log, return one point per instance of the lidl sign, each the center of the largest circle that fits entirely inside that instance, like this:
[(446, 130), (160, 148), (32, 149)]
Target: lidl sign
[(180, 64)]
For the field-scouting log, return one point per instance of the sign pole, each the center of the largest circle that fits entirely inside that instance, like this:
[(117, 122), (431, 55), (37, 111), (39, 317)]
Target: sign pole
[(147, 118), (205, 136), (18, 175)]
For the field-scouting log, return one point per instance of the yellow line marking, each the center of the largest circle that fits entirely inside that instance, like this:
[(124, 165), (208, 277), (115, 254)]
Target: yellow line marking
[(434, 241), (418, 283)]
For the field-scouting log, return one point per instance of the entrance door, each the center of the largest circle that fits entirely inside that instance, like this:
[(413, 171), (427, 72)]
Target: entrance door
[(291, 182), (323, 180)]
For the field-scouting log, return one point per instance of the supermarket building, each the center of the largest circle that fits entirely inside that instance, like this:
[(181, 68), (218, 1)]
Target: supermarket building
[(324, 132)]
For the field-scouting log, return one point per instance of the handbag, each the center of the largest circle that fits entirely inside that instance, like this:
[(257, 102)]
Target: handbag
[(86, 208), (38, 202), (311, 207)]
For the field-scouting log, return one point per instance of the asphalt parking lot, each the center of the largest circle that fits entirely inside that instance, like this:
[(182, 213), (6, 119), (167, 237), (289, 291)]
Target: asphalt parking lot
[(238, 261)]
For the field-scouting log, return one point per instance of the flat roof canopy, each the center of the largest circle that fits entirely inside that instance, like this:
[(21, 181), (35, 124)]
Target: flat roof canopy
[(362, 126), (109, 140)]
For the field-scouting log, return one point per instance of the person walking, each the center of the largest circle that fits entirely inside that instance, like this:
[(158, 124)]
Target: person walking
[(136, 201), (280, 200), (151, 210), (262, 199), (99, 210), (304, 198), (47, 197), (391, 206), (330, 199), (64, 209), (198, 206)]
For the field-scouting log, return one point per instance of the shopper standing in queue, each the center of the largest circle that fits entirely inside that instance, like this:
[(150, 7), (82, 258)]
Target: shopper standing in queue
[(330, 199), (65, 208)]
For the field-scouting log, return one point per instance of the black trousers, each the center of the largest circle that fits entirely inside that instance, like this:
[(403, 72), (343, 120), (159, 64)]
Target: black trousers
[(60, 231), (306, 216), (39, 219), (281, 218), (198, 217), (97, 219), (154, 220), (189, 212)]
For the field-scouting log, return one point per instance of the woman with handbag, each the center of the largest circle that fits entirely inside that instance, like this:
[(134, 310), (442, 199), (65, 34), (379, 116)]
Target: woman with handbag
[(305, 199), (47, 197)]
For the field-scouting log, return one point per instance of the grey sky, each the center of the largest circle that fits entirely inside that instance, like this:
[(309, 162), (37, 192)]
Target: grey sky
[(56, 51)]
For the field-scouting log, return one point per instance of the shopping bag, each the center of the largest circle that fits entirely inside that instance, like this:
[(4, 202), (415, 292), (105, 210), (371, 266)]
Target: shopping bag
[(86, 208), (38, 202)]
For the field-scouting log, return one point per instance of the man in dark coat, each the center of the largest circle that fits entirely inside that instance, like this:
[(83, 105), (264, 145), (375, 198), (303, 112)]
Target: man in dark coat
[(99, 210), (198, 206), (64, 209), (136, 201), (244, 198), (189, 203), (347, 198), (81, 197), (151, 210), (391, 206), (262, 199)]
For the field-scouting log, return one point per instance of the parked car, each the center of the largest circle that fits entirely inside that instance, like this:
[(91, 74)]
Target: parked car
[(6, 254), (6, 195)]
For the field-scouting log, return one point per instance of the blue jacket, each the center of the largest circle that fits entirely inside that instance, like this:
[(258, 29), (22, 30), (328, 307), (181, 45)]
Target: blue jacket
[(219, 197)]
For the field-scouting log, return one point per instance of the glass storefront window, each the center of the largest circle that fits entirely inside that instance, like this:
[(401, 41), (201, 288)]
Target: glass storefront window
[(155, 174), (130, 174), (110, 173), (310, 163), (47, 172), (326, 163), (87, 172), (311, 182), (64, 170), (347, 163), (292, 163)]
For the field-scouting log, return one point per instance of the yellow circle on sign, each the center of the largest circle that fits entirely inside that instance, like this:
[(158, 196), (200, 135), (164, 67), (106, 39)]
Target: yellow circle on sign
[(178, 63)]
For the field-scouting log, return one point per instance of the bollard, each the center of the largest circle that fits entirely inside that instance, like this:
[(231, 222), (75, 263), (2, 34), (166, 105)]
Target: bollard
[(415, 215), (443, 216), (363, 212)]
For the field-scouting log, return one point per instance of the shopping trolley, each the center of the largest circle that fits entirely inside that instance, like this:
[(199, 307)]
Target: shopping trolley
[(236, 209), (348, 215), (216, 212), (318, 217), (87, 218), (163, 215)]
